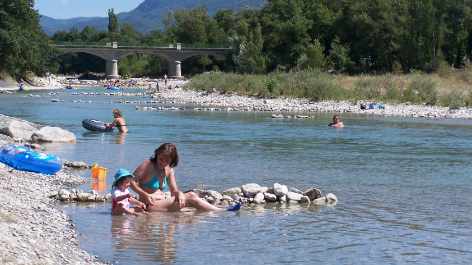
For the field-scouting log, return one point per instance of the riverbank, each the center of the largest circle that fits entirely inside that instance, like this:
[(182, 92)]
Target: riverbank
[(33, 231), (276, 105)]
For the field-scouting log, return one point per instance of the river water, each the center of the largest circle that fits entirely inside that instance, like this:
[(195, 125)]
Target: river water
[(404, 184)]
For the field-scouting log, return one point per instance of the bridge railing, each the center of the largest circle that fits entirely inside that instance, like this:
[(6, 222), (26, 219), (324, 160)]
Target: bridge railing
[(160, 45)]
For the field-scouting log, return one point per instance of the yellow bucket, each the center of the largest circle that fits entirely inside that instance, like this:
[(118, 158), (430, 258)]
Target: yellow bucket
[(99, 172)]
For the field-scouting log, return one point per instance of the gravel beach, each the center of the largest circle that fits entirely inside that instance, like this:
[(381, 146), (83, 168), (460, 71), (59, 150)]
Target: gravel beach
[(33, 231)]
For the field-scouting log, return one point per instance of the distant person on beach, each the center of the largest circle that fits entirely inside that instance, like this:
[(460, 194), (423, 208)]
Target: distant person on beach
[(158, 86), (122, 197), (336, 123), (22, 87), (119, 122), (156, 174), (165, 80)]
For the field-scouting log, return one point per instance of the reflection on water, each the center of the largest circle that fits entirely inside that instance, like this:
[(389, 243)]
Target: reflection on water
[(150, 235), (100, 185)]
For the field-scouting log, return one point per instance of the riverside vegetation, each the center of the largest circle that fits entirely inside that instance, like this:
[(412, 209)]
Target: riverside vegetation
[(447, 88)]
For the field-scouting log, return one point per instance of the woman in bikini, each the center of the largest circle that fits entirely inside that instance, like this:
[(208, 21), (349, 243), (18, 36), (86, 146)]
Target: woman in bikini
[(156, 174), (119, 122)]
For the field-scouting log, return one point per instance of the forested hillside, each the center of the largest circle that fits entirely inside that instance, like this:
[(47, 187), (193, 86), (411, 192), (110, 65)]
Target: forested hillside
[(145, 17)]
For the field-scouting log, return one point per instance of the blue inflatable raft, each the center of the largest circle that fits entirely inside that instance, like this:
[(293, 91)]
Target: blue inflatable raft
[(24, 158), (95, 125)]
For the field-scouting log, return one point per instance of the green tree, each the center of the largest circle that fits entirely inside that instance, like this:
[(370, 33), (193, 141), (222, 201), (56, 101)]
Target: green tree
[(314, 57), (129, 33), (24, 47), (248, 50), (285, 31), (89, 34), (112, 25)]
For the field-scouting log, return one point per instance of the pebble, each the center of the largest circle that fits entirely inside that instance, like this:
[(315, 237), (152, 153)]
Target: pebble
[(33, 231)]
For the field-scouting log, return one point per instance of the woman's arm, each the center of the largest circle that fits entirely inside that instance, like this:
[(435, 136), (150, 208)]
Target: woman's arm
[(139, 174), (174, 191), (110, 125)]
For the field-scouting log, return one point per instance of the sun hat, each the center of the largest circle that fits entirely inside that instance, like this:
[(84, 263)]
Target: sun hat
[(120, 174)]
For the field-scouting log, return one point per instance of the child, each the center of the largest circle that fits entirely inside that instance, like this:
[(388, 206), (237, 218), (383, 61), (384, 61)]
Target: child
[(122, 197), (119, 122)]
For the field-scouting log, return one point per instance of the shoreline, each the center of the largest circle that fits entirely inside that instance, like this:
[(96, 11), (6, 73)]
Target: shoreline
[(236, 102), (33, 230)]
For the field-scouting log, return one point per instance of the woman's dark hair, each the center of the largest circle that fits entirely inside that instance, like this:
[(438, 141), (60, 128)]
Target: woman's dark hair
[(167, 149)]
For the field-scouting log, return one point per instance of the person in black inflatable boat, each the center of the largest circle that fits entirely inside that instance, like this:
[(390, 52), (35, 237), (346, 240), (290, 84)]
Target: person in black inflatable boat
[(119, 122)]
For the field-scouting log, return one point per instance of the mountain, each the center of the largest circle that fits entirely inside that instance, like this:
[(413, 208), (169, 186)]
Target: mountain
[(145, 17)]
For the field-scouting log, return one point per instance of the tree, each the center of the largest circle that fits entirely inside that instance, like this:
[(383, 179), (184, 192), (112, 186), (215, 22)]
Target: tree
[(112, 24), (248, 50), (24, 47), (314, 57), (129, 33)]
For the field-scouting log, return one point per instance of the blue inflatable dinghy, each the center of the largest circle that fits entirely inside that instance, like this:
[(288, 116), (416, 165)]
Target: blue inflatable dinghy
[(95, 125), (24, 158)]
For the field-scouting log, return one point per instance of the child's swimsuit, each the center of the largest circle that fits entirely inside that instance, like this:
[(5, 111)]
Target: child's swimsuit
[(115, 193), (154, 183)]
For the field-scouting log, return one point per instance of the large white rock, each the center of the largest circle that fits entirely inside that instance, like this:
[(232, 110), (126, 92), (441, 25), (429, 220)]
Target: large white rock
[(53, 134), (259, 198), (280, 190), (16, 129), (293, 196), (251, 189)]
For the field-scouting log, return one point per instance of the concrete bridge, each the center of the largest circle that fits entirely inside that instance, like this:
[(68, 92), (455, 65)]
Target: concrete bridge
[(174, 55)]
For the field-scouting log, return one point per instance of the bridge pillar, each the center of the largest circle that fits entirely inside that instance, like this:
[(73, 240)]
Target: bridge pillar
[(111, 71), (174, 69)]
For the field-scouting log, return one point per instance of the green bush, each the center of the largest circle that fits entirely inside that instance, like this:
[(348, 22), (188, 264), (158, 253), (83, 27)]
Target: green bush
[(422, 89)]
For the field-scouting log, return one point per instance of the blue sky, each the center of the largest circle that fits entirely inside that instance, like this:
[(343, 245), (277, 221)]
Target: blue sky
[(62, 9)]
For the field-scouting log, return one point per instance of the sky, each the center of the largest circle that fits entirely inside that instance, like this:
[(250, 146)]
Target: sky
[(63, 9)]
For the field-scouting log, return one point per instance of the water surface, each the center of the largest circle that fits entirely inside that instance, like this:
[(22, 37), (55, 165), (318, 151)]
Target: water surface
[(403, 184)]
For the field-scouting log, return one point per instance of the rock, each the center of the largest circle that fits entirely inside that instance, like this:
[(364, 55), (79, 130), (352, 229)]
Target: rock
[(16, 129), (251, 189), (283, 198), (320, 200), (235, 197), (312, 193), (280, 190), (270, 197), (259, 198), (211, 193), (231, 191), (53, 134), (63, 192), (331, 198), (305, 199), (75, 164), (295, 190), (293, 196), (82, 197)]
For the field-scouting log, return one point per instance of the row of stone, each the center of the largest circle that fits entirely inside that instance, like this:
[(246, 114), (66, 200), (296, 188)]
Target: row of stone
[(247, 194), (235, 102)]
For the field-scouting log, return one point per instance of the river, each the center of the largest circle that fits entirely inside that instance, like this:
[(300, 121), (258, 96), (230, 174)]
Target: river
[(403, 184)]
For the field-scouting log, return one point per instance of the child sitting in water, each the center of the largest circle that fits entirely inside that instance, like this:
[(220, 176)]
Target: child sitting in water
[(122, 197)]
